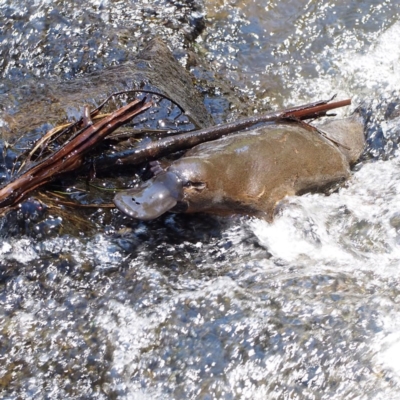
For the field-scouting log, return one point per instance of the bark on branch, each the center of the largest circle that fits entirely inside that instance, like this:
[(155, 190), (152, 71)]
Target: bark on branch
[(70, 156), (184, 141)]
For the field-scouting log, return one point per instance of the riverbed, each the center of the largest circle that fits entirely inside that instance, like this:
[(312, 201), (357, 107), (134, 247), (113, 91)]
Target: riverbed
[(203, 307)]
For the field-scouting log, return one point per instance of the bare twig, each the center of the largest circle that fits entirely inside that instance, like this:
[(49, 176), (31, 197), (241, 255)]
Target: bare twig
[(70, 156), (183, 141)]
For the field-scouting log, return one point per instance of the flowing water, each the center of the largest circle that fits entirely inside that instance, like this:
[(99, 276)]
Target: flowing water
[(200, 307)]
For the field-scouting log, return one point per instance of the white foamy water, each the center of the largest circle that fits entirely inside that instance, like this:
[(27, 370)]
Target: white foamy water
[(354, 227), (362, 74), (355, 230)]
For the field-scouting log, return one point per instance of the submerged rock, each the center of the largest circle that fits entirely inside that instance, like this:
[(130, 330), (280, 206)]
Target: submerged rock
[(250, 172), (53, 102), (34, 109)]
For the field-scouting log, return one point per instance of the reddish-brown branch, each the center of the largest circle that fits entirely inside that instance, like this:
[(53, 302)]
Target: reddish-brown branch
[(187, 140), (70, 156)]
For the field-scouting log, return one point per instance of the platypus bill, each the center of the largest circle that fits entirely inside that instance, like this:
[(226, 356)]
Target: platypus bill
[(153, 198), (248, 173)]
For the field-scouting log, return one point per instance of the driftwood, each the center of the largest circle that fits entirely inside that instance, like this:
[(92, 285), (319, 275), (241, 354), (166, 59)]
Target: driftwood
[(184, 141), (71, 155)]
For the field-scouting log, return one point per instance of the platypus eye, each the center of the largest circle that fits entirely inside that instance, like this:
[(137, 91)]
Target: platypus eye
[(195, 185)]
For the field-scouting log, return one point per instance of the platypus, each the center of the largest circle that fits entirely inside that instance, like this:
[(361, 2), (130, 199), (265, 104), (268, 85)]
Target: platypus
[(250, 172)]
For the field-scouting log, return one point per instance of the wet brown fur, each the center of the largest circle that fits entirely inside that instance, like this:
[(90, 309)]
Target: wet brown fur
[(248, 173)]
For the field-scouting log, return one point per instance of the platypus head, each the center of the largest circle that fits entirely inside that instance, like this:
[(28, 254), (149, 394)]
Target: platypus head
[(153, 198)]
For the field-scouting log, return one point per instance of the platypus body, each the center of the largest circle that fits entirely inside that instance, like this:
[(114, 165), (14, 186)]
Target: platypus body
[(250, 172)]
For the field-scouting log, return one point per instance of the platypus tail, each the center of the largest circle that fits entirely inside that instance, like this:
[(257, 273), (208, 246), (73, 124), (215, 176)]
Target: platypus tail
[(349, 134)]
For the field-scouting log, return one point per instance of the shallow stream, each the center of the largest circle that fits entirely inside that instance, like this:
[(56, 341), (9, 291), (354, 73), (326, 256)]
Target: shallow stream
[(200, 307)]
